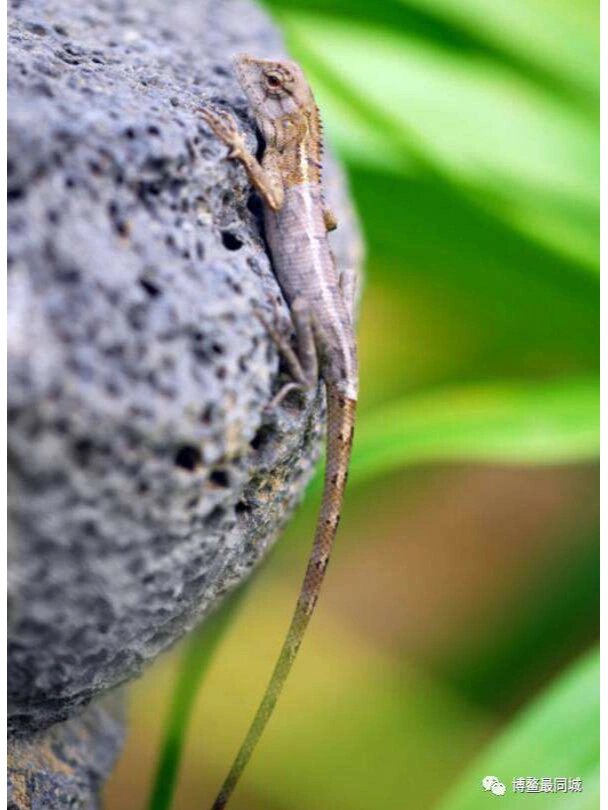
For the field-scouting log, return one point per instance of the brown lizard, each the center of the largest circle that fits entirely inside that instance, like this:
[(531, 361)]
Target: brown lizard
[(296, 221)]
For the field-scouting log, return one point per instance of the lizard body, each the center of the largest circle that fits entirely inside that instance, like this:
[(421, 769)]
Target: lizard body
[(296, 221)]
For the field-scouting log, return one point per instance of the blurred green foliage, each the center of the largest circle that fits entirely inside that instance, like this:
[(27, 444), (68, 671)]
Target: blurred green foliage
[(533, 744), (506, 422), (470, 134), (198, 655)]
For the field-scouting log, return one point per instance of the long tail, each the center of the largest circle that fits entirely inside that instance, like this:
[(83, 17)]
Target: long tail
[(340, 428)]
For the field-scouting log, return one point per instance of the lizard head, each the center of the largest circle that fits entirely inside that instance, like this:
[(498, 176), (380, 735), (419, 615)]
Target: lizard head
[(275, 88)]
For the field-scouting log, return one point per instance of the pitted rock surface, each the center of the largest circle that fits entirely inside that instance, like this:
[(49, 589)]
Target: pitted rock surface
[(66, 765), (145, 477)]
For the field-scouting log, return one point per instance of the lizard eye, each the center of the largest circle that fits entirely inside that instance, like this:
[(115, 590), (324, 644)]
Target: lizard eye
[(273, 80)]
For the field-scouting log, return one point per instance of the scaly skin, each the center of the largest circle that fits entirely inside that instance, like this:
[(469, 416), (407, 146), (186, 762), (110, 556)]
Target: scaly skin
[(296, 222)]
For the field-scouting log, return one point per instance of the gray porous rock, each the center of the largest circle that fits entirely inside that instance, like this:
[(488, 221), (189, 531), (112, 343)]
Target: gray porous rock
[(66, 765), (145, 477)]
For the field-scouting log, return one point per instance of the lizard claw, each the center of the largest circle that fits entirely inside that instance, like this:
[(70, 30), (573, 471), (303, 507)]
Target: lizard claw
[(275, 327), (299, 380), (280, 396), (224, 126)]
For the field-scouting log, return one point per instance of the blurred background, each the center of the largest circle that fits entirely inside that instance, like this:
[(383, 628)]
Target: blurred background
[(457, 629)]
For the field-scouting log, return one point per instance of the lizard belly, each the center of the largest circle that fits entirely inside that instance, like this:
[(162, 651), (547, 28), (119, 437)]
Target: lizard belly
[(305, 269)]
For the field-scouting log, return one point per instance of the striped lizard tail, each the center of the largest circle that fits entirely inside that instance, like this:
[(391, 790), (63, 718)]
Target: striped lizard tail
[(340, 429)]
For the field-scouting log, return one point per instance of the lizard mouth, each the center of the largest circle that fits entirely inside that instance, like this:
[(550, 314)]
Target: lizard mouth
[(248, 67), (248, 70), (251, 72)]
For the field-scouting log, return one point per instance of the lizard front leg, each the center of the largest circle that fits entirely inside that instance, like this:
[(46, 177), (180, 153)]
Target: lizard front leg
[(266, 183)]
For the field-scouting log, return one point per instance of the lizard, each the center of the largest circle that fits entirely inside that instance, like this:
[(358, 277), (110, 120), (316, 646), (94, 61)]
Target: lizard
[(321, 302)]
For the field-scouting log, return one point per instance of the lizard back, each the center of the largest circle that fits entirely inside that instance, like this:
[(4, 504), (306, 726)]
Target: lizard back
[(305, 268)]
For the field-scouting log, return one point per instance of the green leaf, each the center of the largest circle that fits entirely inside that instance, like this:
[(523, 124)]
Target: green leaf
[(558, 735), (567, 48), (520, 308), (526, 423), (198, 654)]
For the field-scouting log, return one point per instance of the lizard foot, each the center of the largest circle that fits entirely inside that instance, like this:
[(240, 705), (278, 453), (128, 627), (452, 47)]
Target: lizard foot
[(282, 393), (303, 363), (282, 343), (224, 126)]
